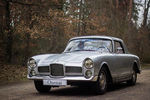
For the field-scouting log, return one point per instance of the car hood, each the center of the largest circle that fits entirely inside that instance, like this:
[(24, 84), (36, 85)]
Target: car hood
[(67, 57)]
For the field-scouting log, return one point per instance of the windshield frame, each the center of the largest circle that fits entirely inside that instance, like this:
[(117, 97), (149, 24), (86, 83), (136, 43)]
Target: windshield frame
[(90, 38)]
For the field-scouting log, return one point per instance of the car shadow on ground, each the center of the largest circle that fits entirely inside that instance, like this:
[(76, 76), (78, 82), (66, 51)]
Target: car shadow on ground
[(84, 91)]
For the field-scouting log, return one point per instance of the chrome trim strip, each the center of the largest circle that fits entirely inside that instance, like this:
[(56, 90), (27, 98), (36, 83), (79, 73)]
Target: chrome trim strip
[(73, 78)]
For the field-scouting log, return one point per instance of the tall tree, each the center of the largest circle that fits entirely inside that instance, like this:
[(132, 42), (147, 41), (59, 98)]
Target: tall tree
[(146, 10), (77, 11), (130, 10), (9, 31)]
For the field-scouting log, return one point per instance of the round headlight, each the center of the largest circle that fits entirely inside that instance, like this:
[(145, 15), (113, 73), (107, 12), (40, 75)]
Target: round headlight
[(88, 63), (88, 73), (33, 73), (32, 63)]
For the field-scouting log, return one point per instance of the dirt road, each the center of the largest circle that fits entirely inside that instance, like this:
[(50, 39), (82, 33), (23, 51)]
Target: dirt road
[(26, 91)]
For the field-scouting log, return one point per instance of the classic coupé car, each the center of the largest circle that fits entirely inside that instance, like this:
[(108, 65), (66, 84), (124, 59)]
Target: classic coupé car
[(95, 61)]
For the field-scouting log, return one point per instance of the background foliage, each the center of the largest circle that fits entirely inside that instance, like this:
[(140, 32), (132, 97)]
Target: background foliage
[(30, 27)]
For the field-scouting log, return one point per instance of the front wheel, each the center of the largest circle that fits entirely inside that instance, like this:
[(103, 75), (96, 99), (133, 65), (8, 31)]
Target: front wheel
[(101, 84), (40, 87), (132, 81)]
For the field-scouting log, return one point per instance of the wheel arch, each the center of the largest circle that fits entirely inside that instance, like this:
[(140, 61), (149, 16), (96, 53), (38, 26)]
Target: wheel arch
[(136, 66), (106, 66)]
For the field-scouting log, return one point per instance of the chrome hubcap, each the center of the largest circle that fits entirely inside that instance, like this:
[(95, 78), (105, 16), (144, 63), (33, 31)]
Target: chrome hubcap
[(102, 80)]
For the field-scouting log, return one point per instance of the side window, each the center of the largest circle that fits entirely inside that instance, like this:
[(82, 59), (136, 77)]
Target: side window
[(118, 47)]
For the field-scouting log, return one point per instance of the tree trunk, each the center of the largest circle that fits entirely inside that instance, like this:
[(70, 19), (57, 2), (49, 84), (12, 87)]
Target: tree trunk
[(146, 13), (130, 10), (27, 41), (117, 4), (9, 33)]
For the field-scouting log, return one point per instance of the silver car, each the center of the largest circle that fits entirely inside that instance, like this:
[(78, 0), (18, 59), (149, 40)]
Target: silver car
[(97, 61)]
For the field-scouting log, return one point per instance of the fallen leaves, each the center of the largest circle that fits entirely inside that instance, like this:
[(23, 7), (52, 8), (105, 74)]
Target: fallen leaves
[(13, 73)]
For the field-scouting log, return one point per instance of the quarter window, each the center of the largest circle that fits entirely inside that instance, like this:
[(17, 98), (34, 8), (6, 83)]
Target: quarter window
[(118, 47)]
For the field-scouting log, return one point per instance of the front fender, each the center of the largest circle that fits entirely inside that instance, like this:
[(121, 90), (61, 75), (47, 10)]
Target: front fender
[(137, 65), (99, 67)]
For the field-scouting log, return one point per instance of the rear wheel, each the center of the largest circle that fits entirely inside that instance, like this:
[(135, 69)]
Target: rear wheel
[(132, 81), (101, 84), (40, 87)]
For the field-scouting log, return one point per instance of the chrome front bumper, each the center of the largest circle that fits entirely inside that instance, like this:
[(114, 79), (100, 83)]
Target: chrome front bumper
[(72, 78)]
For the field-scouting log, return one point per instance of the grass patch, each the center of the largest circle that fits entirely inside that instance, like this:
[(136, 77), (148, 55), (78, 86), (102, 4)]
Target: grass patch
[(11, 73)]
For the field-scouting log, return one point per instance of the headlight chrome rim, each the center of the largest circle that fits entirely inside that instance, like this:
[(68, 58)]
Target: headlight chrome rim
[(88, 74), (88, 63), (32, 63)]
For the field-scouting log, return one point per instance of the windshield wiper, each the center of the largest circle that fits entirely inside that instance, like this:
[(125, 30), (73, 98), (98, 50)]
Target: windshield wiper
[(82, 50), (89, 50), (78, 50), (71, 51)]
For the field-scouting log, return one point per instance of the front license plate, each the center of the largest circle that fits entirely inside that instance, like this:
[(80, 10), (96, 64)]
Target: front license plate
[(55, 82)]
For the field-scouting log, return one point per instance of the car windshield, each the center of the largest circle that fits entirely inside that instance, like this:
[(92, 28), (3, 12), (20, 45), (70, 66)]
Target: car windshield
[(102, 45)]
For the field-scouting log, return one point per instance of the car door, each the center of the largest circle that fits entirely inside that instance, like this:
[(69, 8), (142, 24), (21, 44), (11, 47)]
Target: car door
[(121, 58)]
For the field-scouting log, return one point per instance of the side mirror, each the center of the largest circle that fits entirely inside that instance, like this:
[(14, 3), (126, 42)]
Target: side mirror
[(119, 50)]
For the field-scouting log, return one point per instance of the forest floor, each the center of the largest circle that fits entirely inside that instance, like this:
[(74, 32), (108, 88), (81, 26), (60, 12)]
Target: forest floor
[(12, 73)]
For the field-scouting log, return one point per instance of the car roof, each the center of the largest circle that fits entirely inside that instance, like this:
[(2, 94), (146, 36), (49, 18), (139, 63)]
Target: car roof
[(102, 37)]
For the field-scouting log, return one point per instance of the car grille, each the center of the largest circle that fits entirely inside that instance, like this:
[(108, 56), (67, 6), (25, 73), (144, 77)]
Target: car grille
[(73, 70), (57, 70), (43, 69)]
